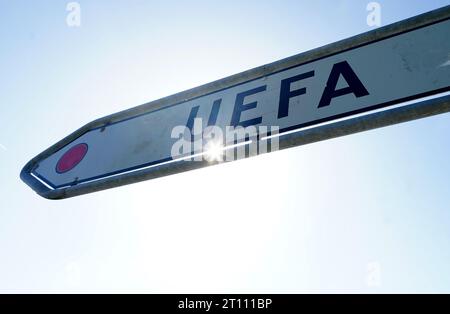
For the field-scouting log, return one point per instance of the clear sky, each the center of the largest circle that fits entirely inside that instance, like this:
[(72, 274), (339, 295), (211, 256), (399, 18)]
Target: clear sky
[(364, 213)]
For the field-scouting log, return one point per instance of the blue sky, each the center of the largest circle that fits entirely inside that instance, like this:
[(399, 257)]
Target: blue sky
[(291, 221)]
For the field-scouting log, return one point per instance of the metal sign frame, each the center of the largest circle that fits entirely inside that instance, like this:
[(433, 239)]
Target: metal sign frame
[(301, 137)]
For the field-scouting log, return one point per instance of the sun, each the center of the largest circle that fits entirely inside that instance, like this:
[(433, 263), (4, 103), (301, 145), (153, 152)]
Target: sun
[(214, 151)]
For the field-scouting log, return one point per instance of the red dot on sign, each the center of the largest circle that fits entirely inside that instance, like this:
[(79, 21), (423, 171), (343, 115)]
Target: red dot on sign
[(71, 158)]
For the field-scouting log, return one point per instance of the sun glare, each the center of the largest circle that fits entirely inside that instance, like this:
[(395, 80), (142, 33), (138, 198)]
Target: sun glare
[(214, 151)]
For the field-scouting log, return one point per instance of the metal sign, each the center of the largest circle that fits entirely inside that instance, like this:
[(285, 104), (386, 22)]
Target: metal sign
[(404, 61)]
